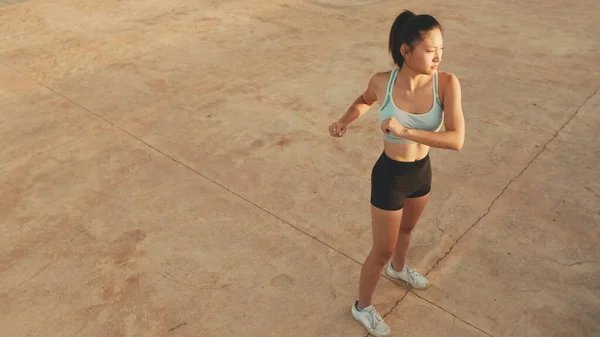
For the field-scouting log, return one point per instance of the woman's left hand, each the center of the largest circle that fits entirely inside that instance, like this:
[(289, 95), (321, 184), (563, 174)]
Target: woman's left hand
[(393, 127)]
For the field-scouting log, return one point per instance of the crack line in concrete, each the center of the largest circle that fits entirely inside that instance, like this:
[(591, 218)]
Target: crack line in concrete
[(200, 174), (437, 263), (395, 304), (424, 299), (449, 312), (181, 163), (300, 230)]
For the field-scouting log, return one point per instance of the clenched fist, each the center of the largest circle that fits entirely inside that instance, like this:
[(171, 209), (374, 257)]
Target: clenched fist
[(337, 129), (391, 126)]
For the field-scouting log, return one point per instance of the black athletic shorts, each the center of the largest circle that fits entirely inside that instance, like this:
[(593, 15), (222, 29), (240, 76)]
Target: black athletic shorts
[(392, 181)]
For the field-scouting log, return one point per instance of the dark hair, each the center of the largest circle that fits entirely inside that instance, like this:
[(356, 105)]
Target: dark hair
[(408, 28)]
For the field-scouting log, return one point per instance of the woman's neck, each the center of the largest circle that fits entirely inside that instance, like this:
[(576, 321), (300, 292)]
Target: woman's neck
[(410, 80)]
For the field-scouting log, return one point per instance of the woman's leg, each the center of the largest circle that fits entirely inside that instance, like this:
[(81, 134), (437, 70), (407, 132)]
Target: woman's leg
[(385, 226), (413, 208)]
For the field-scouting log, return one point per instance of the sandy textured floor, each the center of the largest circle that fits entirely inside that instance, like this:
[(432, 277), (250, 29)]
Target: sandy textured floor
[(166, 170)]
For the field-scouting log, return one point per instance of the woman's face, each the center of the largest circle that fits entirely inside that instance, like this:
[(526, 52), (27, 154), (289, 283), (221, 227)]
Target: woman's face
[(426, 55)]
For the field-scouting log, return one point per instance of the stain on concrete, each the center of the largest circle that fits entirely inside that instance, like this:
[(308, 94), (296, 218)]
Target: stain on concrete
[(283, 142), (282, 280), (257, 144), (124, 248)]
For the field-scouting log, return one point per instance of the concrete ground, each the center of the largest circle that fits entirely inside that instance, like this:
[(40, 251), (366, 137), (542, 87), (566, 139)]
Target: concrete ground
[(166, 170)]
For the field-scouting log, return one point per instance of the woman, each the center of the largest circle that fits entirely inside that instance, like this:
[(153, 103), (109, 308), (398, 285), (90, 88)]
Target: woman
[(416, 101)]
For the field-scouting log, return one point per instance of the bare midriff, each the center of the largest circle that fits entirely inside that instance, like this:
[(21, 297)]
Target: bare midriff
[(405, 152)]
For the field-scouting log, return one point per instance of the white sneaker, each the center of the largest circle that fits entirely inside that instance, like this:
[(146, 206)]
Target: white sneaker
[(409, 276), (370, 319)]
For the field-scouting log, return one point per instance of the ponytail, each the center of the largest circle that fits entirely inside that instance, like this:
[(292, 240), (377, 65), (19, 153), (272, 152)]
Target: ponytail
[(407, 29)]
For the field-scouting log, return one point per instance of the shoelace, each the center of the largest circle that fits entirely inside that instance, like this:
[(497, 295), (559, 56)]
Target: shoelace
[(375, 319), (412, 274)]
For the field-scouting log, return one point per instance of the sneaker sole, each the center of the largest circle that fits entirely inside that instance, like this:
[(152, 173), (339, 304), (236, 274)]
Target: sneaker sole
[(374, 333)]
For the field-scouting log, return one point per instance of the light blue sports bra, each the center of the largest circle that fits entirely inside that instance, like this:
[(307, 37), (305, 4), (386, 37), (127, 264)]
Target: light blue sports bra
[(429, 121)]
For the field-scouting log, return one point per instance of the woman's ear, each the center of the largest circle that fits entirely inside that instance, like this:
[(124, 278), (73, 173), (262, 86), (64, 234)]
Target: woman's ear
[(404, 50)]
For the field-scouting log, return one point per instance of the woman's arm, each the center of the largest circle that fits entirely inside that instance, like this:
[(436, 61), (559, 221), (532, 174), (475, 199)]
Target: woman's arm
[(362, 103), (359, 107), (454, 136)]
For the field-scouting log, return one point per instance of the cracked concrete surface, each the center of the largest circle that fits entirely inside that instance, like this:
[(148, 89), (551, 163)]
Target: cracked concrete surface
[(436, 264), (166, 170)]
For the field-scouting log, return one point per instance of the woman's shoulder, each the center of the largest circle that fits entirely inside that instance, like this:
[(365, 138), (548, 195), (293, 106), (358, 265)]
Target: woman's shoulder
[(380, 79), (447, 79), (447, 82)]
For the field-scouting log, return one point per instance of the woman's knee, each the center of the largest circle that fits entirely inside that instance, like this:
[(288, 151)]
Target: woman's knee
[(382, 256), (406, 229)]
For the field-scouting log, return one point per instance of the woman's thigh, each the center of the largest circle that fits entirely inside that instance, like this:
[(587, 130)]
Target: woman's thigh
[(385, 227)]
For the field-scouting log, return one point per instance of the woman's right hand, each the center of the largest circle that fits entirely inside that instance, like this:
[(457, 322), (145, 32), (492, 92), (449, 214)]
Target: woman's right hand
[(337, 129)]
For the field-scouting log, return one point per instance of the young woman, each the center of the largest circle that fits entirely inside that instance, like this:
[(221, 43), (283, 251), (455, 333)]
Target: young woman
[(416, 100)]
